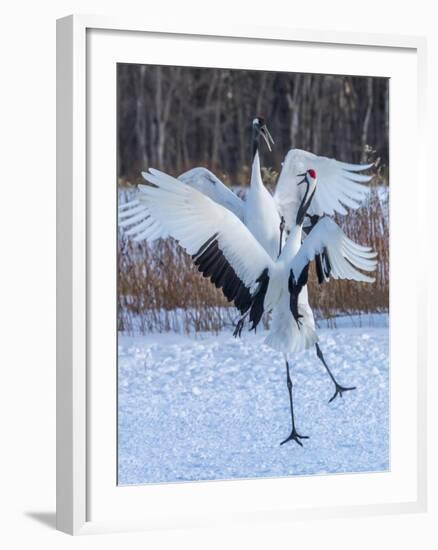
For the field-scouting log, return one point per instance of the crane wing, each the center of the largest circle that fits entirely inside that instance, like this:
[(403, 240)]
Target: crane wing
[(343, 257), (134, 217), (207, 183), (134, 214), (339, 185), (222, 247)]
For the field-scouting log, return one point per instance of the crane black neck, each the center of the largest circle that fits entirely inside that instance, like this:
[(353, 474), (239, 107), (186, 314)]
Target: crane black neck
[(304, 206)]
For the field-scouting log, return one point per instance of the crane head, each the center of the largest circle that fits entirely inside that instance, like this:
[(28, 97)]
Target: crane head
[(260, 128), (309, 177)]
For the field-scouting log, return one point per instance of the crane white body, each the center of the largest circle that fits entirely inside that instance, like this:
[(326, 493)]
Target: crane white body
[(260, 215), (285, 335)]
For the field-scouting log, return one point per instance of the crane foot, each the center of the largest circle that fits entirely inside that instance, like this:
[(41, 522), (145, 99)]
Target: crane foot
[(294, 436), (340, 390)]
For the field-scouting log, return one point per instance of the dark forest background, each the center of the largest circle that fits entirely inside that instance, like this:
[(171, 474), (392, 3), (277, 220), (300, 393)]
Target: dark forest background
[(176, 118)]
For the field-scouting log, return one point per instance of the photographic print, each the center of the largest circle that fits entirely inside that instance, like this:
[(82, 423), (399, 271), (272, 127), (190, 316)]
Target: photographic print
[(253, 274)]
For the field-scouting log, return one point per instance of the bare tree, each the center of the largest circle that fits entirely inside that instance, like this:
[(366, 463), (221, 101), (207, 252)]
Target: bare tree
[(178, 117)]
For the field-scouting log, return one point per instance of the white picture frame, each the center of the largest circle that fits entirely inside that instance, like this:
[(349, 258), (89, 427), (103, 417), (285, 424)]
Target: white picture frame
[(76, 216)]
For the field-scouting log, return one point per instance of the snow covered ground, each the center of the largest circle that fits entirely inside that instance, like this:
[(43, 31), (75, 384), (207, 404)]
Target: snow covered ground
[(205, 407)]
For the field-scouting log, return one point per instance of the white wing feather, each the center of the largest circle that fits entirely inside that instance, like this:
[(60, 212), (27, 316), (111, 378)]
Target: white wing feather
[(207, 183), (344, 254), (134, 216), (135, 219), (339, 185), (192, 218)]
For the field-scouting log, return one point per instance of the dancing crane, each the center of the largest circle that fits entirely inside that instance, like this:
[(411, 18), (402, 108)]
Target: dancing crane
[(224, 250)]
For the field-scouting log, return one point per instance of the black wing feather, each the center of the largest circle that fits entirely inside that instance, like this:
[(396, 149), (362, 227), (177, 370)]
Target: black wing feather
[(295, 287), (257, 307), (212, 263)]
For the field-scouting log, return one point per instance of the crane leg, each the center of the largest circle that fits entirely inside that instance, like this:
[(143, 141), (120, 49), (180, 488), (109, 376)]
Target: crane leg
[(294, 435), (239, 325), (339, 390)]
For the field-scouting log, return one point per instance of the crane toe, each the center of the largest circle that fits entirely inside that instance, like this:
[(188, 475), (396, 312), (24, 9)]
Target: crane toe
[(340, 390), (295, 436)]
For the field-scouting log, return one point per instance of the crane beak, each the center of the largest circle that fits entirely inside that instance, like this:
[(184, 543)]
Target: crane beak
[(304, 176), (267, 136)]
